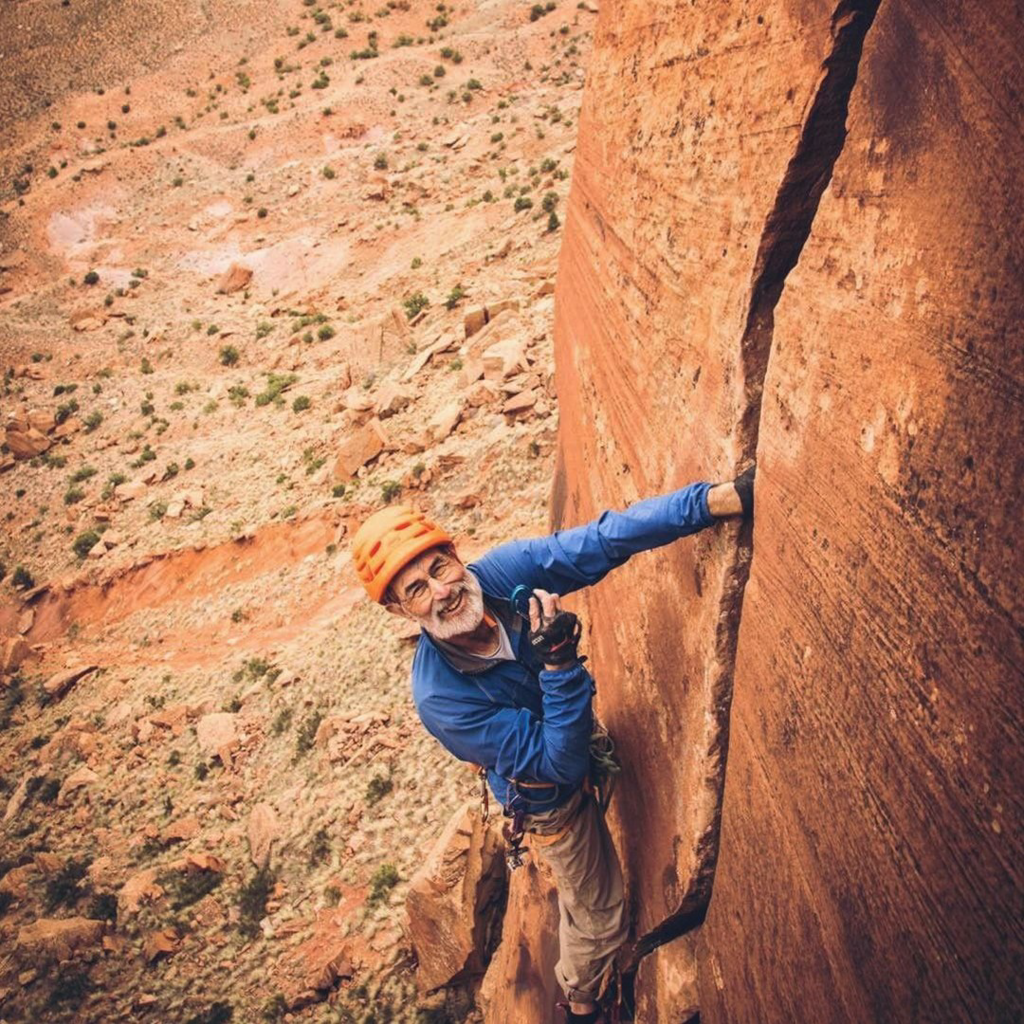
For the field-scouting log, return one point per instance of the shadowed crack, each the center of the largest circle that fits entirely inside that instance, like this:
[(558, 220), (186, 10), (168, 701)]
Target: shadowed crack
[(782, 240)]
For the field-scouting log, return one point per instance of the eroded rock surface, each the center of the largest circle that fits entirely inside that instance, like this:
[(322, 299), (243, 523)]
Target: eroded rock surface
[(868, 795), (455, 901)]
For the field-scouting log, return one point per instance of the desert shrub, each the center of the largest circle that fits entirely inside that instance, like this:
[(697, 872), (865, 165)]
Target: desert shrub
[(306, 735), (378, 788), (85, 542), (414, 304), (21, 578), (382, 881)]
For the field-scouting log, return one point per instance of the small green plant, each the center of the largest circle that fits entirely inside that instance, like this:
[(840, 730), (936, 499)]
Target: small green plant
[(338, 491), (93, 420), (21, 578), (306, 735), (455, 296), (91, 278), (380, 162), (301, 403), (522, 203), (283, 722), (414, 304), (390, 490), (319, 847), (328, 172), (382, 881), (229, 355), (553, 221), (85, 542), (378, 788), (325, 332)]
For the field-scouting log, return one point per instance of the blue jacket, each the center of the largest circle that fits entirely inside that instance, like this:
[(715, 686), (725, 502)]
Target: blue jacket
[(514, 717)]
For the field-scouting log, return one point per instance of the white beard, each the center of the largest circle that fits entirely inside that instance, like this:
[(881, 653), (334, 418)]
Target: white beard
[(465, 620)]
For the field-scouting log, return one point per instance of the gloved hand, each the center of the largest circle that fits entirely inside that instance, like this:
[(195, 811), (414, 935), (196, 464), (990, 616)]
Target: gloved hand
[(554, 633), (744, 485)]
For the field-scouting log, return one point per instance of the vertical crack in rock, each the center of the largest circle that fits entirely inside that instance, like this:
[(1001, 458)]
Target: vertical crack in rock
[(786, 230)]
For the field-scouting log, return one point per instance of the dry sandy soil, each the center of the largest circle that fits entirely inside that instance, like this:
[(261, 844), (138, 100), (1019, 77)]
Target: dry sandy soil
[(191, 676)]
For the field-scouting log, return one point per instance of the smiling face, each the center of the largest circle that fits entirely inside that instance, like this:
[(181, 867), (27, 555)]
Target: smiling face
[(438, 592)]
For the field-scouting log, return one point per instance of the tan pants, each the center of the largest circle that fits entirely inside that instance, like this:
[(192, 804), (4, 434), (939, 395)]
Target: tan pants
[(574, 840)]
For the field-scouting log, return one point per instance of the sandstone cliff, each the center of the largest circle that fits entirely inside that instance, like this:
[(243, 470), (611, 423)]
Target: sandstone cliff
[(794, 234)]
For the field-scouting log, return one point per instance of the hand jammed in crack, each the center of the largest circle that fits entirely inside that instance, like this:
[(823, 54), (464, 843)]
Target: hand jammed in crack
[(554, 632)]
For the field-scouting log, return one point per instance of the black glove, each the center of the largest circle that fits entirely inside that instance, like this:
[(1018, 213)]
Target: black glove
[(556, 639), (744, 485)]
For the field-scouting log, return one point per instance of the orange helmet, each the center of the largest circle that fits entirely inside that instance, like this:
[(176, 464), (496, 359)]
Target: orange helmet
[(388, 541)]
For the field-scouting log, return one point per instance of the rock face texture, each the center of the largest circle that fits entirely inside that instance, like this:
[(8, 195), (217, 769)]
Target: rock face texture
[(455, 901), (793, 234)]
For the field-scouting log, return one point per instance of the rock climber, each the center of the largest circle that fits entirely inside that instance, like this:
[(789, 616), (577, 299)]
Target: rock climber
[(510, 694)]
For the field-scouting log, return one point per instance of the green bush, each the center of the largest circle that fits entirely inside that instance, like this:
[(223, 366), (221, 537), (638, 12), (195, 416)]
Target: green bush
[(390, 490), (21, 578), (378, 788), (455, 296), (85, 542), (383, 880), (301, 403), (229, 355), (380, 162), (414, 304), (91, 277)]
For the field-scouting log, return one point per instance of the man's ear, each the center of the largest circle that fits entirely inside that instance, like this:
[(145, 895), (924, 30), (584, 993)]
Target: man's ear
[(396, 609)]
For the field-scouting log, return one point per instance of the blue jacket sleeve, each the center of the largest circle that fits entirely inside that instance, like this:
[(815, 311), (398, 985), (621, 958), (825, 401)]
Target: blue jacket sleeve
[(512, 741), (578, 557)]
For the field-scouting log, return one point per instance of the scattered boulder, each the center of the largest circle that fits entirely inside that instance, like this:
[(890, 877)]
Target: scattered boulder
[(234, 279), (263, 829), (57, 685), (139, 889), (81, 776), (181, 830), (27, 443), (12, 653), (130, 490), (58, 939), (163, 942), (15, 882), (504, 359), (444, 421), (363, 445), (520, 404), (306, 973), (19, 796), (216, 730), (391, 400), (476, 318), (454, 901)]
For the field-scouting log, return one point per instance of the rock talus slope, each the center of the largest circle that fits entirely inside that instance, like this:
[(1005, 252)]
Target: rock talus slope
[(817, 204)]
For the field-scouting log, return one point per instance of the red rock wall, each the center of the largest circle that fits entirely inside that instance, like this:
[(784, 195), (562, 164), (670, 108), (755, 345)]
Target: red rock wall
[(824, 202)]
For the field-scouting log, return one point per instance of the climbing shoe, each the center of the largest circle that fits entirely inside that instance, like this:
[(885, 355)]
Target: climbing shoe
[(744, 485)]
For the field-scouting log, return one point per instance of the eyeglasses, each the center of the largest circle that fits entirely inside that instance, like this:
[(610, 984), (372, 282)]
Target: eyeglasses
[(443, 569)]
